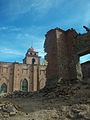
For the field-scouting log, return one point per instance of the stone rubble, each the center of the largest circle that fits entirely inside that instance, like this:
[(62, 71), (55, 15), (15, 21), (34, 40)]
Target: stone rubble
[(7, 109), (66, 100), (18, 94)]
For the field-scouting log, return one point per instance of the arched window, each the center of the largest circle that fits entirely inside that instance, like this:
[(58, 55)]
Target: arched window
[(3, 88), (24, 85)]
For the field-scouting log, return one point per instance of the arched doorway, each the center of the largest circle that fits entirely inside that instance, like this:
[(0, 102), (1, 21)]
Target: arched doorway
[(3, 88), (24, 85)]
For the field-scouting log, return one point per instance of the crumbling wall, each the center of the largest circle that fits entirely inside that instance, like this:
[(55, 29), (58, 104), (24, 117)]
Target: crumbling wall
[(51, 56), (62, 57)]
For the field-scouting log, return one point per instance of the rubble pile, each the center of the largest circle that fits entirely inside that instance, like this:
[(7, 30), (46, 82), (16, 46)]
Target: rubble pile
[(61, 89), (7, 109), (18, 94), (68, 90), (67, 100)]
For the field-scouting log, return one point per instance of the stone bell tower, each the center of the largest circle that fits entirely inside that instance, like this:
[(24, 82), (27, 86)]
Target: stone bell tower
[(31, 57)]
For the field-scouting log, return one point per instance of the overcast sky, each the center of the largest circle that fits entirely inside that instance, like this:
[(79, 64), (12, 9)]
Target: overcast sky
[(24, 23)]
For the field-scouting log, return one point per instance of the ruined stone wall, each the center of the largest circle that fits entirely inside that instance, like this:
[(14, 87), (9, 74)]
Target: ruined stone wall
[(63, 61), (74, 66), (66, 54), (51, 50)]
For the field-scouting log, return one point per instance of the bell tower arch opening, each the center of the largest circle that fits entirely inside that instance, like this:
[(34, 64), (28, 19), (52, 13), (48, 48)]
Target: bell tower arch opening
[(33, 60)]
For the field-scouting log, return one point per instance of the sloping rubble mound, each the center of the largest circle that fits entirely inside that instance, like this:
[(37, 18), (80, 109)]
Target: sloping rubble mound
[(66, 100), (18, 94), (68, 89), (74, 112)]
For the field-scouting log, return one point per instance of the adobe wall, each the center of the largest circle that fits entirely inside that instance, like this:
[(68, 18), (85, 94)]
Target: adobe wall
[(63, 61), (51, 50)]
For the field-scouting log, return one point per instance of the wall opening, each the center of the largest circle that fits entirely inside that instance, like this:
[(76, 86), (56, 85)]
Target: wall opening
[(33, 60), (85, 58), (24, 85), (85, 64), (3, 88)]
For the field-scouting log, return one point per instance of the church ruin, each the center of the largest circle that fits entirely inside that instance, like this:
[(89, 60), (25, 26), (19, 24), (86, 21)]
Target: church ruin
[(63, 50), (27, 76)]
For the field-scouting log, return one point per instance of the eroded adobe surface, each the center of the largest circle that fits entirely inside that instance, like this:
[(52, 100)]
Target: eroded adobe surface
[(63, 50)]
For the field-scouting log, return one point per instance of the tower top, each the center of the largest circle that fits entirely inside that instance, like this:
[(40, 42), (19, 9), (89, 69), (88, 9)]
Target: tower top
[(31, 52), (31, 49), (31, 57)]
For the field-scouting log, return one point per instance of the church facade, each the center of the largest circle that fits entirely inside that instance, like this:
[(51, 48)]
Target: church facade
[(27, 76)]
